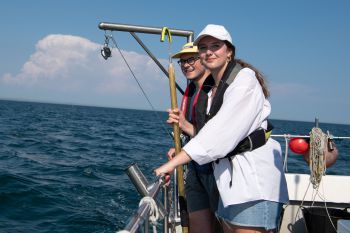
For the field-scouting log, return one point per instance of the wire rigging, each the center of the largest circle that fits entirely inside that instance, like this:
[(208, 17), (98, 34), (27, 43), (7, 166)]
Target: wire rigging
[(110, 37)]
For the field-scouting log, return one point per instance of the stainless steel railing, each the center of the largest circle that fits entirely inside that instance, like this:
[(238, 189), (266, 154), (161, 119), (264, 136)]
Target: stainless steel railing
[(149, 192)]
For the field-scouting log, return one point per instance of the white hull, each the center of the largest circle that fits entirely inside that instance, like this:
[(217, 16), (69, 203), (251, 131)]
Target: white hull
[(333, 192)]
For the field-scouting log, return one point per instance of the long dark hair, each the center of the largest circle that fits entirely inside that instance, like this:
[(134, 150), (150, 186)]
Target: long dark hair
[(258, 74)]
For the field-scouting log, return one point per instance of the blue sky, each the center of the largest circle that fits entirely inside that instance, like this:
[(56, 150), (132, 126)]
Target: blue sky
[(50, 51)]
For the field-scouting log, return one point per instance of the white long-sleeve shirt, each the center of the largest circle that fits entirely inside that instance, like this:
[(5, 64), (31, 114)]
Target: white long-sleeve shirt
[(256, 175)]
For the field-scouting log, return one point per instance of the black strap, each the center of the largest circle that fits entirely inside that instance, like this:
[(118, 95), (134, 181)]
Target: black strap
[(253, 141), (229, 76)]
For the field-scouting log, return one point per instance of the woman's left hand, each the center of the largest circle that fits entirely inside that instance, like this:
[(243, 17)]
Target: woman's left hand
[(164, 169), (169, 167)]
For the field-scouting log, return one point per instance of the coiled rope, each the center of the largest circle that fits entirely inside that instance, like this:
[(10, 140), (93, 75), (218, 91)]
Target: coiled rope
[(153, 213), (318, 146)]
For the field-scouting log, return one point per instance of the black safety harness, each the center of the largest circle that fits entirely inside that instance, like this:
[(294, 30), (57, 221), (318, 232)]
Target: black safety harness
[(254, 140)]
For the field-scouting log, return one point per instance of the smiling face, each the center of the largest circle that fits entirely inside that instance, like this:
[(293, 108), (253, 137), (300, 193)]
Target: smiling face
[(191, 66), (214, 53)]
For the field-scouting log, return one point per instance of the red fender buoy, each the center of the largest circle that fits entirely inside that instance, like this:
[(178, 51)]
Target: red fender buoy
[(298, 145)]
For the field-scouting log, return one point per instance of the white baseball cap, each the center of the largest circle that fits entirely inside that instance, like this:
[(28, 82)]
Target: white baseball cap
[(216, 31)]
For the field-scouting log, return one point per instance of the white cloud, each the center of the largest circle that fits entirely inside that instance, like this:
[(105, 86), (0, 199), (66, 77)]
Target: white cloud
[(69, 65), (55, 57)]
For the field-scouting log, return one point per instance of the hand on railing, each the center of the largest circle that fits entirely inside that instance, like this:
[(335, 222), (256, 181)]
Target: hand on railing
[(168, 168), (164, 176)]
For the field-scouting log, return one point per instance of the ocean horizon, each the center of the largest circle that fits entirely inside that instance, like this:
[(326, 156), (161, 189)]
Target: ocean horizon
[(146, 109)]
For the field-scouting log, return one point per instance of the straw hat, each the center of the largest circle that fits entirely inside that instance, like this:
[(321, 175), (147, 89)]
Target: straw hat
[(187, 48)]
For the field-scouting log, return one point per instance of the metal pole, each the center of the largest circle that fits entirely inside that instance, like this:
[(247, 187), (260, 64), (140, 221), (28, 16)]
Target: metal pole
[(155, 59), (176, 194), (138, 179), (143, 211), (177, 143), (144, 29), (289, 136), (302, 136), (148, 30), (166, 205), (142, 185), (146, 224)]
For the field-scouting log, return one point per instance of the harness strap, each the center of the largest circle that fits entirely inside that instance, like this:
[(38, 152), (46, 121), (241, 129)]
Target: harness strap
[(234, 73), (256, 139), (253, 141), (229, 76)]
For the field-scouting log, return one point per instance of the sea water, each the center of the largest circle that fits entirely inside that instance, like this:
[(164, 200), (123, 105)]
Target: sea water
[(62, 167)]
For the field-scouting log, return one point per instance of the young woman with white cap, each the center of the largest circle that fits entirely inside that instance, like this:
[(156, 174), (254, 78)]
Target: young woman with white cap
[(251, 183)]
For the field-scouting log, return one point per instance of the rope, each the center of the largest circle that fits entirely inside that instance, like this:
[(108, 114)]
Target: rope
[(153, 213), (317, 153), (138, 83), (318, 145), (166, 30)]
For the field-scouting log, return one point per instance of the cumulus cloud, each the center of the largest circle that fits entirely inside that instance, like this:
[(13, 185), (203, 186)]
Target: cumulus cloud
[(55, 57), (67, 64)]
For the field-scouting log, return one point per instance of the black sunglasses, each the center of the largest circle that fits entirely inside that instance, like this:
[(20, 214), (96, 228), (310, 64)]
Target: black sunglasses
[(189, 61)]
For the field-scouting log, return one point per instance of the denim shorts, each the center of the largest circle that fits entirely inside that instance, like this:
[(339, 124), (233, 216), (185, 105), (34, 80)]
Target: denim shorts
[(264, 214), (201, 191)]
